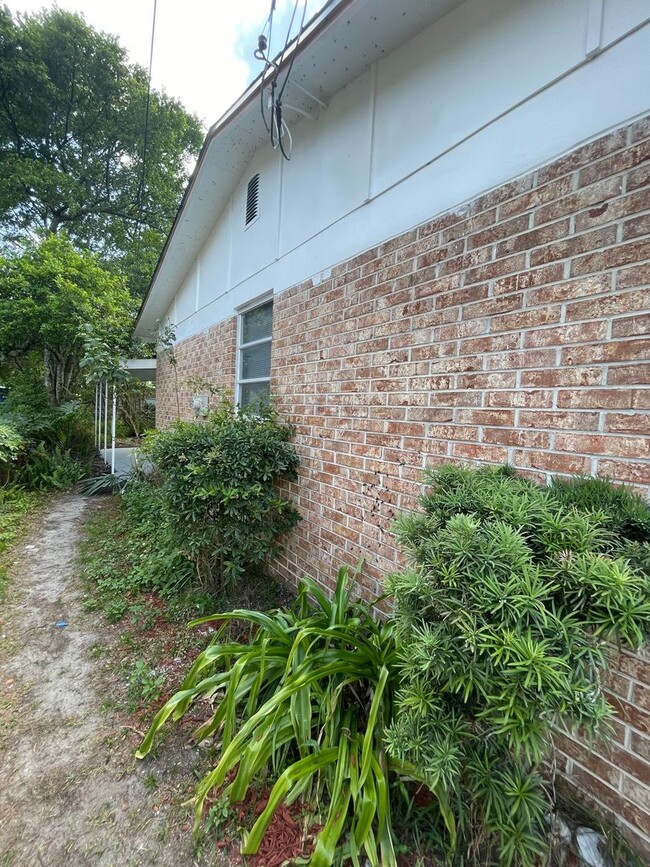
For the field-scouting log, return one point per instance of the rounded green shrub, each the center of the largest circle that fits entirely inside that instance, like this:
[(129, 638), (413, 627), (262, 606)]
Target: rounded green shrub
[(218, 481)]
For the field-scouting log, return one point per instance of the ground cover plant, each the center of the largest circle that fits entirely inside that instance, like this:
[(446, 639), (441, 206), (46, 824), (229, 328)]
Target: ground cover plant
[(217, 483), (146, 648), (503, 619), (15, 506)]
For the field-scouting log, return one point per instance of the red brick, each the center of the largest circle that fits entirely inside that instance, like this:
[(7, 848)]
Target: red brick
[(573, 246), (608, 446), (497, 232), (539, 398), (479, 452), (638, 178), (577, 201), (537, 196), (634, 423), (637, 275), (595, 398), (637, 226), (634, 472), (521, 360), (634, 374), (584, 332), (619, 350), (581, 156), (552, 462), (535, 238), (585, 287), (640, 129), (614, 257), (612, 211), (496, 269), (521, 438), (559, 420), (611, 165), (629, 326), (470, 226)]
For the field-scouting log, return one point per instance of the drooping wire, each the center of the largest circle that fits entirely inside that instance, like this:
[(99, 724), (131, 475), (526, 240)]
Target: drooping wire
[(277, 127)]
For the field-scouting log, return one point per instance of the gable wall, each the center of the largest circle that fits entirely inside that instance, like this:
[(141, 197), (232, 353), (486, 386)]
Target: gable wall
[(492, 90)]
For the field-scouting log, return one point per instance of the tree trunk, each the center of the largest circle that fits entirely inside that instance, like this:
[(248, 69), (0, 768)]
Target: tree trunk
[(60, 373)]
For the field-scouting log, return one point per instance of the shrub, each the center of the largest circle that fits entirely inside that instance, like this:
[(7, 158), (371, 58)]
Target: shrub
[(217, 479), (46, 469), (11, 446), (306, 699), (44, 449), (502, 617)]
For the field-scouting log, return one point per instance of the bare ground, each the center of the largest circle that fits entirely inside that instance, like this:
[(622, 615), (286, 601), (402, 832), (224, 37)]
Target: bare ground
[(70, 791)]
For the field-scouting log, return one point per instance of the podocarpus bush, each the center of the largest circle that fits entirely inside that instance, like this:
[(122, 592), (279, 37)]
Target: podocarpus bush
[(504, 615), (218, 479)]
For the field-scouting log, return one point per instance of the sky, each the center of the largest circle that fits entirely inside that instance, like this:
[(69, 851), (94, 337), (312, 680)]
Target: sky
[(203, 49)]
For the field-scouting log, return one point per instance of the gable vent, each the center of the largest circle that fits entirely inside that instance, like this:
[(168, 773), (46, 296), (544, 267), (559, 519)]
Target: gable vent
[(252, 199)]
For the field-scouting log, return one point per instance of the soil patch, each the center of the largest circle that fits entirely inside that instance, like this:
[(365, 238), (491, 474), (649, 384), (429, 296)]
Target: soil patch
[(70, 791)]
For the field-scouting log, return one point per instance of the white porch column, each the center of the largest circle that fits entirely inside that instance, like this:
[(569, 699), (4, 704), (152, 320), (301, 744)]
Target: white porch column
[(113, 429), (106, 416)]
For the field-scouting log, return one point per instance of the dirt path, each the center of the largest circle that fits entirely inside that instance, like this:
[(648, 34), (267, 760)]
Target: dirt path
[(70, 793)]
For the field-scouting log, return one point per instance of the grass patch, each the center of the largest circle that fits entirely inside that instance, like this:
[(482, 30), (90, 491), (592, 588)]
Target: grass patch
[(15, 506)]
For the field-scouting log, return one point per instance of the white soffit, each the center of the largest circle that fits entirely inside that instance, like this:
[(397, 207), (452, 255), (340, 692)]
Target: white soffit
[(337, 46)]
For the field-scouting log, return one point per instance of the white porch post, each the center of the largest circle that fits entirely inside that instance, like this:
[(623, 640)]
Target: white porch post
[(106, 416), (113, 430), (96, 415)]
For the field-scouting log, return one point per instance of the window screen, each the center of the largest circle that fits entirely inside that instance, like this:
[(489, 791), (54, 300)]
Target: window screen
[(254, 353)]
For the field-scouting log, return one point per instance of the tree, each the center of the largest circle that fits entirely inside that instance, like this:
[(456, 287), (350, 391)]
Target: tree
[(49, 295), (72, 141)]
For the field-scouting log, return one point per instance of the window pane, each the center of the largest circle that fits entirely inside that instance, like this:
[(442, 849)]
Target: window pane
[(252, 392), (257, 323), (256, 361)]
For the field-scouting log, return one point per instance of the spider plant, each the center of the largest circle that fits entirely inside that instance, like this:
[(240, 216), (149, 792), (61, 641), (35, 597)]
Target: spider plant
[(308, 698)]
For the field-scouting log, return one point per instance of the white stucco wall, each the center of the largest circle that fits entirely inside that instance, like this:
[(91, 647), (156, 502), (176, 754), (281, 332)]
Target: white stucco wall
[(492, 90)]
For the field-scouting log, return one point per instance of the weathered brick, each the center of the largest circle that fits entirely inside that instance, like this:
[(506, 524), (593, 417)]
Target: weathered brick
[(629, 326), (587, 197), (583, 155), (573, 246), (614, 257), (584, 332), (618, 162)]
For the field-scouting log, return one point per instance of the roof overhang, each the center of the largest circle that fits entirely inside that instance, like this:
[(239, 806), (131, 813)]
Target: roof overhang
[(143, 369), (334, 49)]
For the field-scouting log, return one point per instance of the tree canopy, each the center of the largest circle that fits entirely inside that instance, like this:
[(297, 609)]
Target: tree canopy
[(73, 113), (49, 297)]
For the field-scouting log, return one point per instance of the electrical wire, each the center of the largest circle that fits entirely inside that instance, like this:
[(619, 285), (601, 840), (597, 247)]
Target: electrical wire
[(277, 128)]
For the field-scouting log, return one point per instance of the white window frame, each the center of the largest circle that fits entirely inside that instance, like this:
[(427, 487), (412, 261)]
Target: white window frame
[(260, 301)]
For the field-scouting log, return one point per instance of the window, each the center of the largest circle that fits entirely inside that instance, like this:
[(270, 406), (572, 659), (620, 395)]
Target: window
[(254, 353), (253, 199)]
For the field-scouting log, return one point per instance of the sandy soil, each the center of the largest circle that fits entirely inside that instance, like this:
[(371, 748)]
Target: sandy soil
[(70, 791)]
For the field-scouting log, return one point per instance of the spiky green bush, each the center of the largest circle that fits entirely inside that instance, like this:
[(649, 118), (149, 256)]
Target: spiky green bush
[(513, 591)]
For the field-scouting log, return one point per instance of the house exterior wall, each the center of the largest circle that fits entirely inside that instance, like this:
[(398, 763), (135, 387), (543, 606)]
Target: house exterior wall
[(490, 91), (209, 355), (511, 329)]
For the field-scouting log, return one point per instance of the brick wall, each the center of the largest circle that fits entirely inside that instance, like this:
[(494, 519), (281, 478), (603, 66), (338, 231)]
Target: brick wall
[(512, 329), (210, 354)]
